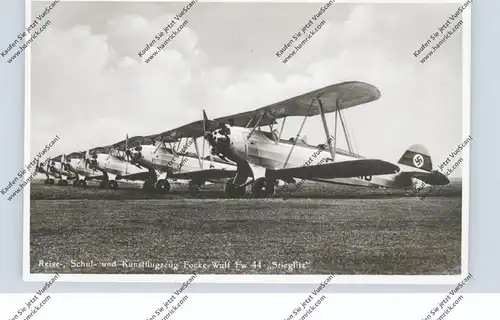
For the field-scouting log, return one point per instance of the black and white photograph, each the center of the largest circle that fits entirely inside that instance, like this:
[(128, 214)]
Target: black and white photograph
[(246, 141)]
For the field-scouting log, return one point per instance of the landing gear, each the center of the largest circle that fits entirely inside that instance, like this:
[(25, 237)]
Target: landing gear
[(49, 181), (233, 191), (112, 184), (263, 188), (62, 182), (161, 186), (150, 184), (76, 183), (82, 184)]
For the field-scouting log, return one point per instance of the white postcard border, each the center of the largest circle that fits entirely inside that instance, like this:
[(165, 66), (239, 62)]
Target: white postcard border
[(269, 279)]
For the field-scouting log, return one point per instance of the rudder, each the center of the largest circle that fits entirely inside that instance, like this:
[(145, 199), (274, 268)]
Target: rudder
[(418, 157)]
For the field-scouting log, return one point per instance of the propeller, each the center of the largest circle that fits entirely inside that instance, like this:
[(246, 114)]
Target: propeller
[(222, 130), (90, 159), (205, 123), (138, 154), (127, 151), (86, 158), (63, 162), (37, 165)]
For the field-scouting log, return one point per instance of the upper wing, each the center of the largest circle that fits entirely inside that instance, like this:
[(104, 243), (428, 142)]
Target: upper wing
[(204, 175), (104, 149), (133, 142), (58, 158), (344, 169), (191, 130), (346, 94), (76, 155)]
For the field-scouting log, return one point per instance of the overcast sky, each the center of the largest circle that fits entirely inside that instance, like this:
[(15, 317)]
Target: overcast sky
[(90, 87)]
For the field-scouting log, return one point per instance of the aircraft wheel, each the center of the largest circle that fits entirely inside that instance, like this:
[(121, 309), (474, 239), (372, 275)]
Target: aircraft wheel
[(46, 181), (262, 188), (113, 185), (51, 181), (103, 185), (162, 186), (82, 184), (76, 183), (59, 183), (234, 192)]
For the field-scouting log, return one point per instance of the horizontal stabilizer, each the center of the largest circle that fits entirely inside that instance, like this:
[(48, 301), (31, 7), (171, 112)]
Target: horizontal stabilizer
[(434, 178), (204, 175), (345, 169)]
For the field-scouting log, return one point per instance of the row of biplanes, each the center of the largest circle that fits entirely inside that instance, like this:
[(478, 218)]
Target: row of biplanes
[(244, 154)]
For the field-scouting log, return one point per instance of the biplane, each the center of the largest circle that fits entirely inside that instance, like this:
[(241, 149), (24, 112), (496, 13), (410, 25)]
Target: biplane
[(263, 158), (57, 168), (43, 168), (79, 164), (113, 162), (170, 154)]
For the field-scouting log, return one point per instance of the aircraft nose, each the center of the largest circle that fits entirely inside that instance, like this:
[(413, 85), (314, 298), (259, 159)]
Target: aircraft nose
[(136, 155), (223, 142)]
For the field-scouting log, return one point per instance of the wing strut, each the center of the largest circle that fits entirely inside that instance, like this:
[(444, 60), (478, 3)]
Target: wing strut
[(172, 147), (325, 126), (335, 133), (256, 125), (345, 130), (298, 134), (184, 152), (250, 121), (197, 152), (159, 144), (281, 130)]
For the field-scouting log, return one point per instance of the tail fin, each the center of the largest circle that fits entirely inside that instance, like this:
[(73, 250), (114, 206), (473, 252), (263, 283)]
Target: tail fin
[(418, 157)]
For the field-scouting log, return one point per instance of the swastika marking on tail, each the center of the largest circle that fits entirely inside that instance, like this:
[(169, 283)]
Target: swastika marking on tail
[(418, 160)]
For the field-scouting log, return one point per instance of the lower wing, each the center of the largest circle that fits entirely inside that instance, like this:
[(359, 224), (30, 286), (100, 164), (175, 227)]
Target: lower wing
[(204, 175), (136, 176), (344, 169)]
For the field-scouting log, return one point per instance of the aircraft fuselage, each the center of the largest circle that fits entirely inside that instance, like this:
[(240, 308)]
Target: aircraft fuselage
[(113, 165), (57, 169), (260, 150), (78, 166), (163, 160)]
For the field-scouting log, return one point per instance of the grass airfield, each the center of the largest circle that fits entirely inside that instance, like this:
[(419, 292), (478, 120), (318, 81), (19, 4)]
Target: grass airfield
[(317, 229)]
